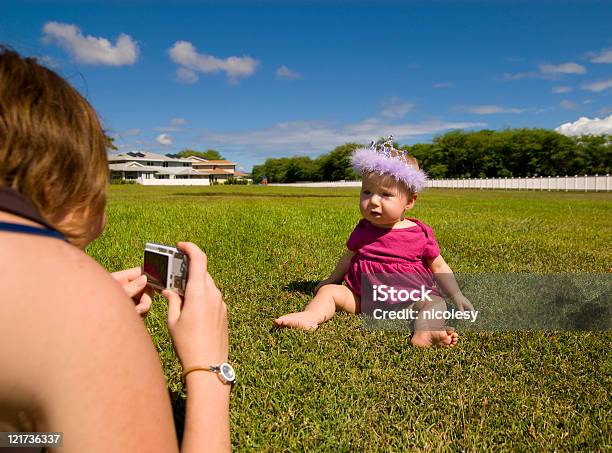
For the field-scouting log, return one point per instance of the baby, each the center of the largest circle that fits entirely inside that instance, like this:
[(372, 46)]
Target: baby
[(384, 242)]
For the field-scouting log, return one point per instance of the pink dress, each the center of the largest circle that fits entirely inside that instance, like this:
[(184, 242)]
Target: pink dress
[(402, 251)]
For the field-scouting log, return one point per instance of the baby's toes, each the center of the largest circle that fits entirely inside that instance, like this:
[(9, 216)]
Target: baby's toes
[(454, 337)]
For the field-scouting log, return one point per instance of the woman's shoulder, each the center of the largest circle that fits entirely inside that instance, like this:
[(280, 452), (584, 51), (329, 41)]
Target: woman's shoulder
[(51, 286), (73, 334), (42, 262)]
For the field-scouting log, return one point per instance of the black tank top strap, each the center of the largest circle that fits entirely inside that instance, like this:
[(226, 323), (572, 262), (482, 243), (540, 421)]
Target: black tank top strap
[(15, 203)]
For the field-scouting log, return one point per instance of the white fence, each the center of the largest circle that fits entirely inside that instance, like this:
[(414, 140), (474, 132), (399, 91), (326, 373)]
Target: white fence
[(584, 183), (173, 182), (596, 183), (320, 184)]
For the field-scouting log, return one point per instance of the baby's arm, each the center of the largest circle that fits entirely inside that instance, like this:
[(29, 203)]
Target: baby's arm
[(446, 281), (342, 268)]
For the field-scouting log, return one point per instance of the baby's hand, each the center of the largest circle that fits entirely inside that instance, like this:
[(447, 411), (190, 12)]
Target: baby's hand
[(462, 303)]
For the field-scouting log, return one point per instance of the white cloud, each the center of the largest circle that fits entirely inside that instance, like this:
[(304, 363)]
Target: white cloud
[(285, 73), (89, 49), (547, 72), (565, 68), (187, 76), (164, 139), (492, 109), (567, 105), (444, 85), (175, 125), (521, 75), (48, 61), (129, 133), (587, 126), (186, 55), (396, 108), (308, 137), (598, 86), (605, 56), (561, 89)]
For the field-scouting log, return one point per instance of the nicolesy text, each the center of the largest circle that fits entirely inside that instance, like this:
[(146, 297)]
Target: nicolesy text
[(384, 293), (410, 314)]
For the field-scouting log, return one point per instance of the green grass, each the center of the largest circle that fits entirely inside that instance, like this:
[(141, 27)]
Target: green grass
[(346, 389)]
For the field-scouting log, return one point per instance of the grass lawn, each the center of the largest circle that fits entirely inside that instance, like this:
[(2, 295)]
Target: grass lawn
[(346, 389)]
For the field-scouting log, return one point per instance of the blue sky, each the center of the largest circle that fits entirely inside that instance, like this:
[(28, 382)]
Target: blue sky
[(270, 79)]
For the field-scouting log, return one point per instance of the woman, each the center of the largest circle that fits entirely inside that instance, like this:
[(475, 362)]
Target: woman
[(74, 355)]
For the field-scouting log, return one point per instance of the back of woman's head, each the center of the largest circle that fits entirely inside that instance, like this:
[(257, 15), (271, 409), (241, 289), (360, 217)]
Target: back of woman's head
[(52, 147)]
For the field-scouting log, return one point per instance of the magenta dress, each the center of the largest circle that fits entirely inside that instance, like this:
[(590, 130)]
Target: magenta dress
[(391, 251)]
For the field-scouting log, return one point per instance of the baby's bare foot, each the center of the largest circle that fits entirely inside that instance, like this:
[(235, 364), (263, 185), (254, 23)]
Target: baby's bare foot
[(305, 320), (425, 338)]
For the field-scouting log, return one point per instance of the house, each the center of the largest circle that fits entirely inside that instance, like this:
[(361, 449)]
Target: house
[(156, 169), (217, 170)]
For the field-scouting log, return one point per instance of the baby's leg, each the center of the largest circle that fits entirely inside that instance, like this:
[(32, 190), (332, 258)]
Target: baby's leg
[(432, 332), (320, 309)]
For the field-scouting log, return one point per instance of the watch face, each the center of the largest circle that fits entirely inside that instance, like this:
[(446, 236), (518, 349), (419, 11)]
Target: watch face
[(227, 373)]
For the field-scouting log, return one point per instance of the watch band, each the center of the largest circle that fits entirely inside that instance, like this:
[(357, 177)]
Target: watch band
[(186, 371), (225, 372)]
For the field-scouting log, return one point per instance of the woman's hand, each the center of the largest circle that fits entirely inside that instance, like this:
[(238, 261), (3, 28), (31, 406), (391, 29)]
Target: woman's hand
[(134, 283), (198, 322)]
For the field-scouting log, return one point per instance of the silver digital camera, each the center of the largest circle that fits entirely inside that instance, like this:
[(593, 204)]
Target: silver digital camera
[(165, 267)]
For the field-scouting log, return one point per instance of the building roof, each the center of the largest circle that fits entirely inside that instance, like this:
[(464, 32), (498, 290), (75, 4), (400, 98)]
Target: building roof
[(221, 161), (146, 156), (215, 162), (132, 166), (217, 171), (176, 171)]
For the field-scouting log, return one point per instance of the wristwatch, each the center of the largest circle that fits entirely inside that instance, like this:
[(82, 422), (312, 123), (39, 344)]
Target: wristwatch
[(224, 371)]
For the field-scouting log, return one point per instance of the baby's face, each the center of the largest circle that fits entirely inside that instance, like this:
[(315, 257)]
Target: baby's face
[(383, 200)]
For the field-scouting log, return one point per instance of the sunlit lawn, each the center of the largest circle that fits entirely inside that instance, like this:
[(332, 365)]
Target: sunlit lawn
[(346, 389)]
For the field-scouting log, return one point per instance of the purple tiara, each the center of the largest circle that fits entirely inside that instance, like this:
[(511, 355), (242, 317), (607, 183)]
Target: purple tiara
[(381, 161)]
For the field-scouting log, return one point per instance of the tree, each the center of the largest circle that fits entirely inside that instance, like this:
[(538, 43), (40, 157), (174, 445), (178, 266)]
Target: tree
[(110, 142), (211, 154), (336, 165)]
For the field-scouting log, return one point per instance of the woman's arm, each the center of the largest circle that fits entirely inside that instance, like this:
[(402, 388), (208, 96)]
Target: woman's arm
[(203, 310)]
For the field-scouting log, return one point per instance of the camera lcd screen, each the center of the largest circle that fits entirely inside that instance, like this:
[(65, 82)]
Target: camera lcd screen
[(156, 268)]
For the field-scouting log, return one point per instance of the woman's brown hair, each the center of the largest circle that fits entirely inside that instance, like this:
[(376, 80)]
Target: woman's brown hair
[(52, 147)]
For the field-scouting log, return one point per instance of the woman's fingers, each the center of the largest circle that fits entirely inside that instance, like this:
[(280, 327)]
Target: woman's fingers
[(127, 275), (174, 307), (144, 305), (135, 287), (198, 264)]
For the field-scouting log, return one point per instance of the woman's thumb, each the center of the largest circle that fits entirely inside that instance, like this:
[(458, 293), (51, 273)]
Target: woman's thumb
[(174, 306)]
